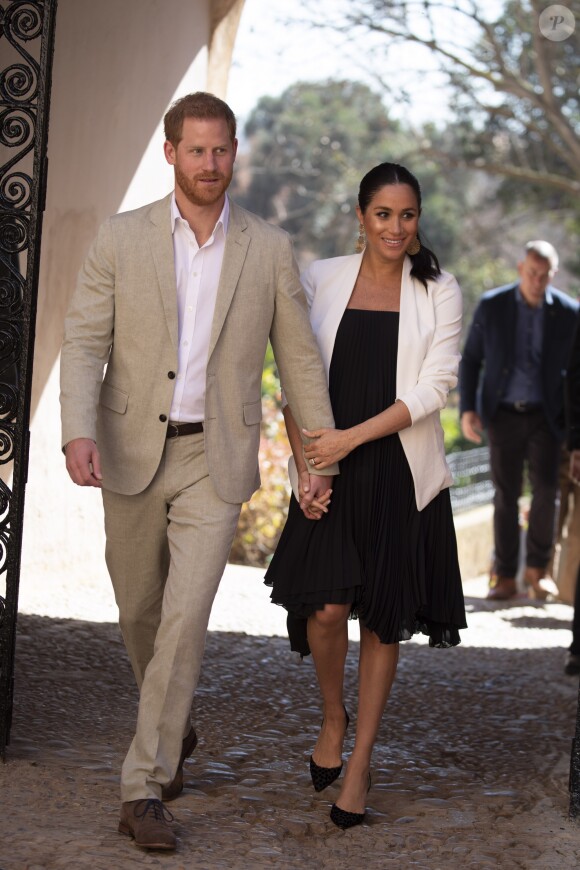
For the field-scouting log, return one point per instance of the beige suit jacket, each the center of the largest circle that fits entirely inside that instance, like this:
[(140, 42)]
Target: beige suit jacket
[(122, 321)]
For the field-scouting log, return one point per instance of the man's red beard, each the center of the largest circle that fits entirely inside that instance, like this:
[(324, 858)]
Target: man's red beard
[(197, 192)]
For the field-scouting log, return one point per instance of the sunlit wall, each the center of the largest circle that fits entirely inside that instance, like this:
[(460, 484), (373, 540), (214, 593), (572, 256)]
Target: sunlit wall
[(117, 67)]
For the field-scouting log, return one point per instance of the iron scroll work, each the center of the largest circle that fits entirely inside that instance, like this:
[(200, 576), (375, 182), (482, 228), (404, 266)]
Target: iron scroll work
[(26, 44)]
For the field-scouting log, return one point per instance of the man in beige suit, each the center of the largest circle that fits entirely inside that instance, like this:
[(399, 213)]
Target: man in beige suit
[(176, 302)]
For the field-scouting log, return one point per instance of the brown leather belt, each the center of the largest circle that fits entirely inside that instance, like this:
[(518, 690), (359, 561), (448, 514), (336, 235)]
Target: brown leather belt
[(174, 430)]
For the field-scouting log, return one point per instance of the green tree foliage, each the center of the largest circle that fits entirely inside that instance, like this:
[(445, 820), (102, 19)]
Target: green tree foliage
[(270, 381), (309, 149)]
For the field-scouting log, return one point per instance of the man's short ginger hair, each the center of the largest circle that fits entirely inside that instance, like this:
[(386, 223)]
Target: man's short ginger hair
[(200, 105)]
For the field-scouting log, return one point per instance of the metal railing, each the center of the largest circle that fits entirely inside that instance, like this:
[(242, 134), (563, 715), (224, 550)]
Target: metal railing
[(472, 485)]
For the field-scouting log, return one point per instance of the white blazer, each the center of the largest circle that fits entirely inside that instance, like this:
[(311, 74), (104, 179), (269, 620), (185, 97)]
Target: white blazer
[(427, 359)]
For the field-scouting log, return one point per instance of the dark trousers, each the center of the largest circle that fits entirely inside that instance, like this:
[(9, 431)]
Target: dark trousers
[(517, 440)]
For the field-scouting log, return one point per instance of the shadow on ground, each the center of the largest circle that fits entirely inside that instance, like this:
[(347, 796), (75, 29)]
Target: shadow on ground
[(470, 770)]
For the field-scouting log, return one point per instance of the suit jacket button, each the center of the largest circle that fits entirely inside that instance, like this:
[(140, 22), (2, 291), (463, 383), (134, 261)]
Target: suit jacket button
[(171, 375), (163, 418)]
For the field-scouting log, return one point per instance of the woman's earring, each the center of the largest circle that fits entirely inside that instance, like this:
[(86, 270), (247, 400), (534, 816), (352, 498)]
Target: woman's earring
[(414, 247), (361, 241)]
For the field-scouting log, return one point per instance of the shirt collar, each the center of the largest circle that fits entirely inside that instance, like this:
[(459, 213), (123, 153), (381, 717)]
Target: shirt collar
[(548, 298), (223, 219)]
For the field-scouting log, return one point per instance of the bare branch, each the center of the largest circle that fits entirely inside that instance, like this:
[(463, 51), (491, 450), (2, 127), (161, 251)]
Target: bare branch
[(505, 75), (550, 179)]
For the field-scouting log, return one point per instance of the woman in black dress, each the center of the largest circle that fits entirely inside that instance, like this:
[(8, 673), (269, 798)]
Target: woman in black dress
[(388, 324)]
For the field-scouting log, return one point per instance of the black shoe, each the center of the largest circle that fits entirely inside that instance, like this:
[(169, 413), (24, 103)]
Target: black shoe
[(322, 777), (343, 819)]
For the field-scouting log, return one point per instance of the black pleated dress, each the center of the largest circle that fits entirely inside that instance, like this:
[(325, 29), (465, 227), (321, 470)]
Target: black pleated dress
[(396, 566)]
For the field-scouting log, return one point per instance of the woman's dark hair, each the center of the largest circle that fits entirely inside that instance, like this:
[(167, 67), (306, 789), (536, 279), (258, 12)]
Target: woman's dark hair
[(425, 263)]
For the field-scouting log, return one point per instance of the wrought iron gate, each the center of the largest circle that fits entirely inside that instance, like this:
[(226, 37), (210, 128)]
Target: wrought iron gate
[(26, 50)]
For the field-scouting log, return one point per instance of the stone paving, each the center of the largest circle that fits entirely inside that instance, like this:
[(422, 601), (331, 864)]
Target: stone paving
[(470, 770)]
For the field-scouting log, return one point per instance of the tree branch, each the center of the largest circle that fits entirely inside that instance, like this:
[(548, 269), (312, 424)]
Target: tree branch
[(531, 176), (499, 74)]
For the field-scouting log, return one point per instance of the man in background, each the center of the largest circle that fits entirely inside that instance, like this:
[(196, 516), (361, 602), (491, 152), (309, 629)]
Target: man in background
[(511, 381)]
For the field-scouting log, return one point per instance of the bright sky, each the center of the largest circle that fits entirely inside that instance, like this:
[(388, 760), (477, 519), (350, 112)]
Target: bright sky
[(271, 54)]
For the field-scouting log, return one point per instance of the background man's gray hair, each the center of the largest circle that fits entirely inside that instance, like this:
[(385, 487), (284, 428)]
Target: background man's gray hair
[(545, 250)]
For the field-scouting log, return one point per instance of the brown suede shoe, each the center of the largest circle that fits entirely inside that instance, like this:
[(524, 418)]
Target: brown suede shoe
[(533, 578), (175, 787), (501, 588), (146, 821)]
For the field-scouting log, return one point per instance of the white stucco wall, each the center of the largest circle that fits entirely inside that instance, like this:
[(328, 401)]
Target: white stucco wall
[(117, 67)]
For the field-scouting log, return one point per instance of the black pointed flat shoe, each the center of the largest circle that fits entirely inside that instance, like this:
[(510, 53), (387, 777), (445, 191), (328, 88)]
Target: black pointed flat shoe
[(322, 777), (343, 819)]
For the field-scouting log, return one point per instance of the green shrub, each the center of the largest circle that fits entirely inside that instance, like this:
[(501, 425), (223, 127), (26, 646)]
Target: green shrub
[(453, 436)]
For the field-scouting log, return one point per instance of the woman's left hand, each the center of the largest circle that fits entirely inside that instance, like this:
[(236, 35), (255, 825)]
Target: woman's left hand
[(327, 446)]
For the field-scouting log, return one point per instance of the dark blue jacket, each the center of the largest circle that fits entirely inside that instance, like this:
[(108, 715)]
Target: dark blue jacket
[(488, 355)]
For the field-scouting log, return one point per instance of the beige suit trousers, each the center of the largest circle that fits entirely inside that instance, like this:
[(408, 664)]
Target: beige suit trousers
[(166, 551), (566, 559)]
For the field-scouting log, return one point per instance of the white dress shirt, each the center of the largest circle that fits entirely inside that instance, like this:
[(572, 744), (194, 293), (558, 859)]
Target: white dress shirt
[(197, 272)]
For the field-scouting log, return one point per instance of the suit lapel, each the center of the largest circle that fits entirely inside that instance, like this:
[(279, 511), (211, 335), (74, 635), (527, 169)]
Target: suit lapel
[(507, 326), (550, 311), (331, 298), (409, 339), (161, 242), (237, 241)]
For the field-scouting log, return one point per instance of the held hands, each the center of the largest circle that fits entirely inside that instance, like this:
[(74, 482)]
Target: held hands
[(327, 446), (83, 462), (471, 426), (314, 493)]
